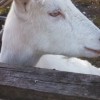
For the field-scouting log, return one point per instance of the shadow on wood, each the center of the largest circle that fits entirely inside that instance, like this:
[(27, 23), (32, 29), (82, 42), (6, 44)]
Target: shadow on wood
[(18, 83)]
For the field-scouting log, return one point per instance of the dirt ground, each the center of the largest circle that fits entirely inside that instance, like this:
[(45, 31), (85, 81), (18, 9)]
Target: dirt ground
[(91, 8)]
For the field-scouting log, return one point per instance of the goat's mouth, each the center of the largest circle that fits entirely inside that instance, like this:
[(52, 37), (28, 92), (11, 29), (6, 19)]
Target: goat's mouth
[(93, 50)]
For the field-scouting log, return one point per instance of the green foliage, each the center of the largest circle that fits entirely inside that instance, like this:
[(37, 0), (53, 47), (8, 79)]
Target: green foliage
[(4, 10)]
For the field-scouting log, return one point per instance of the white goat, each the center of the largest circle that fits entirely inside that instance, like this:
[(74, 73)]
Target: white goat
[(63, 63), (37, 27)]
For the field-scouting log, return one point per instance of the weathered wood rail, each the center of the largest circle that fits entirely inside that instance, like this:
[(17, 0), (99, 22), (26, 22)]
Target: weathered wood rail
[(18, 83), (5, 3), (3, 18)]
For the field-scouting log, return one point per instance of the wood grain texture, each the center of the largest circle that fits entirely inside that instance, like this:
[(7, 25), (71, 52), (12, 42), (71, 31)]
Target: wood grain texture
[(27, 83), (5, 3)]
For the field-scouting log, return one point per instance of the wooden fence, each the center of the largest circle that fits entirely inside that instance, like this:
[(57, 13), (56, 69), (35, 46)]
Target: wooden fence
[(27, 83)]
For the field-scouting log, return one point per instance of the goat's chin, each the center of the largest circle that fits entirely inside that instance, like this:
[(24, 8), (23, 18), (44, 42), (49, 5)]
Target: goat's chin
[(85, 54), (91, 55)]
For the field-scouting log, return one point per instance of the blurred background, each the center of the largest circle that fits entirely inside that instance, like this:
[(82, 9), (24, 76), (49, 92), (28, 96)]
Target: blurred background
[(90, 8)]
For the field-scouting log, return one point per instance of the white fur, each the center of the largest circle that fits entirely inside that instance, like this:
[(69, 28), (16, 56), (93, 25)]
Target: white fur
[(31, 32), (62, 63)]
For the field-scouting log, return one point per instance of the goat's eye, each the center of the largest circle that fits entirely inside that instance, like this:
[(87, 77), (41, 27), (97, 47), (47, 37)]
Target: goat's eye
[(55, 13)]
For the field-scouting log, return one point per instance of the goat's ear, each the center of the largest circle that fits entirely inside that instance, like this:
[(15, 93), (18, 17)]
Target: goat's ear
[(22, 4)]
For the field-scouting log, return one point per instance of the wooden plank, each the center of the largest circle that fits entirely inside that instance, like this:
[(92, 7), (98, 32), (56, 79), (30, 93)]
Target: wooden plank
[(26, 83), (5, 3), (2, 18)]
